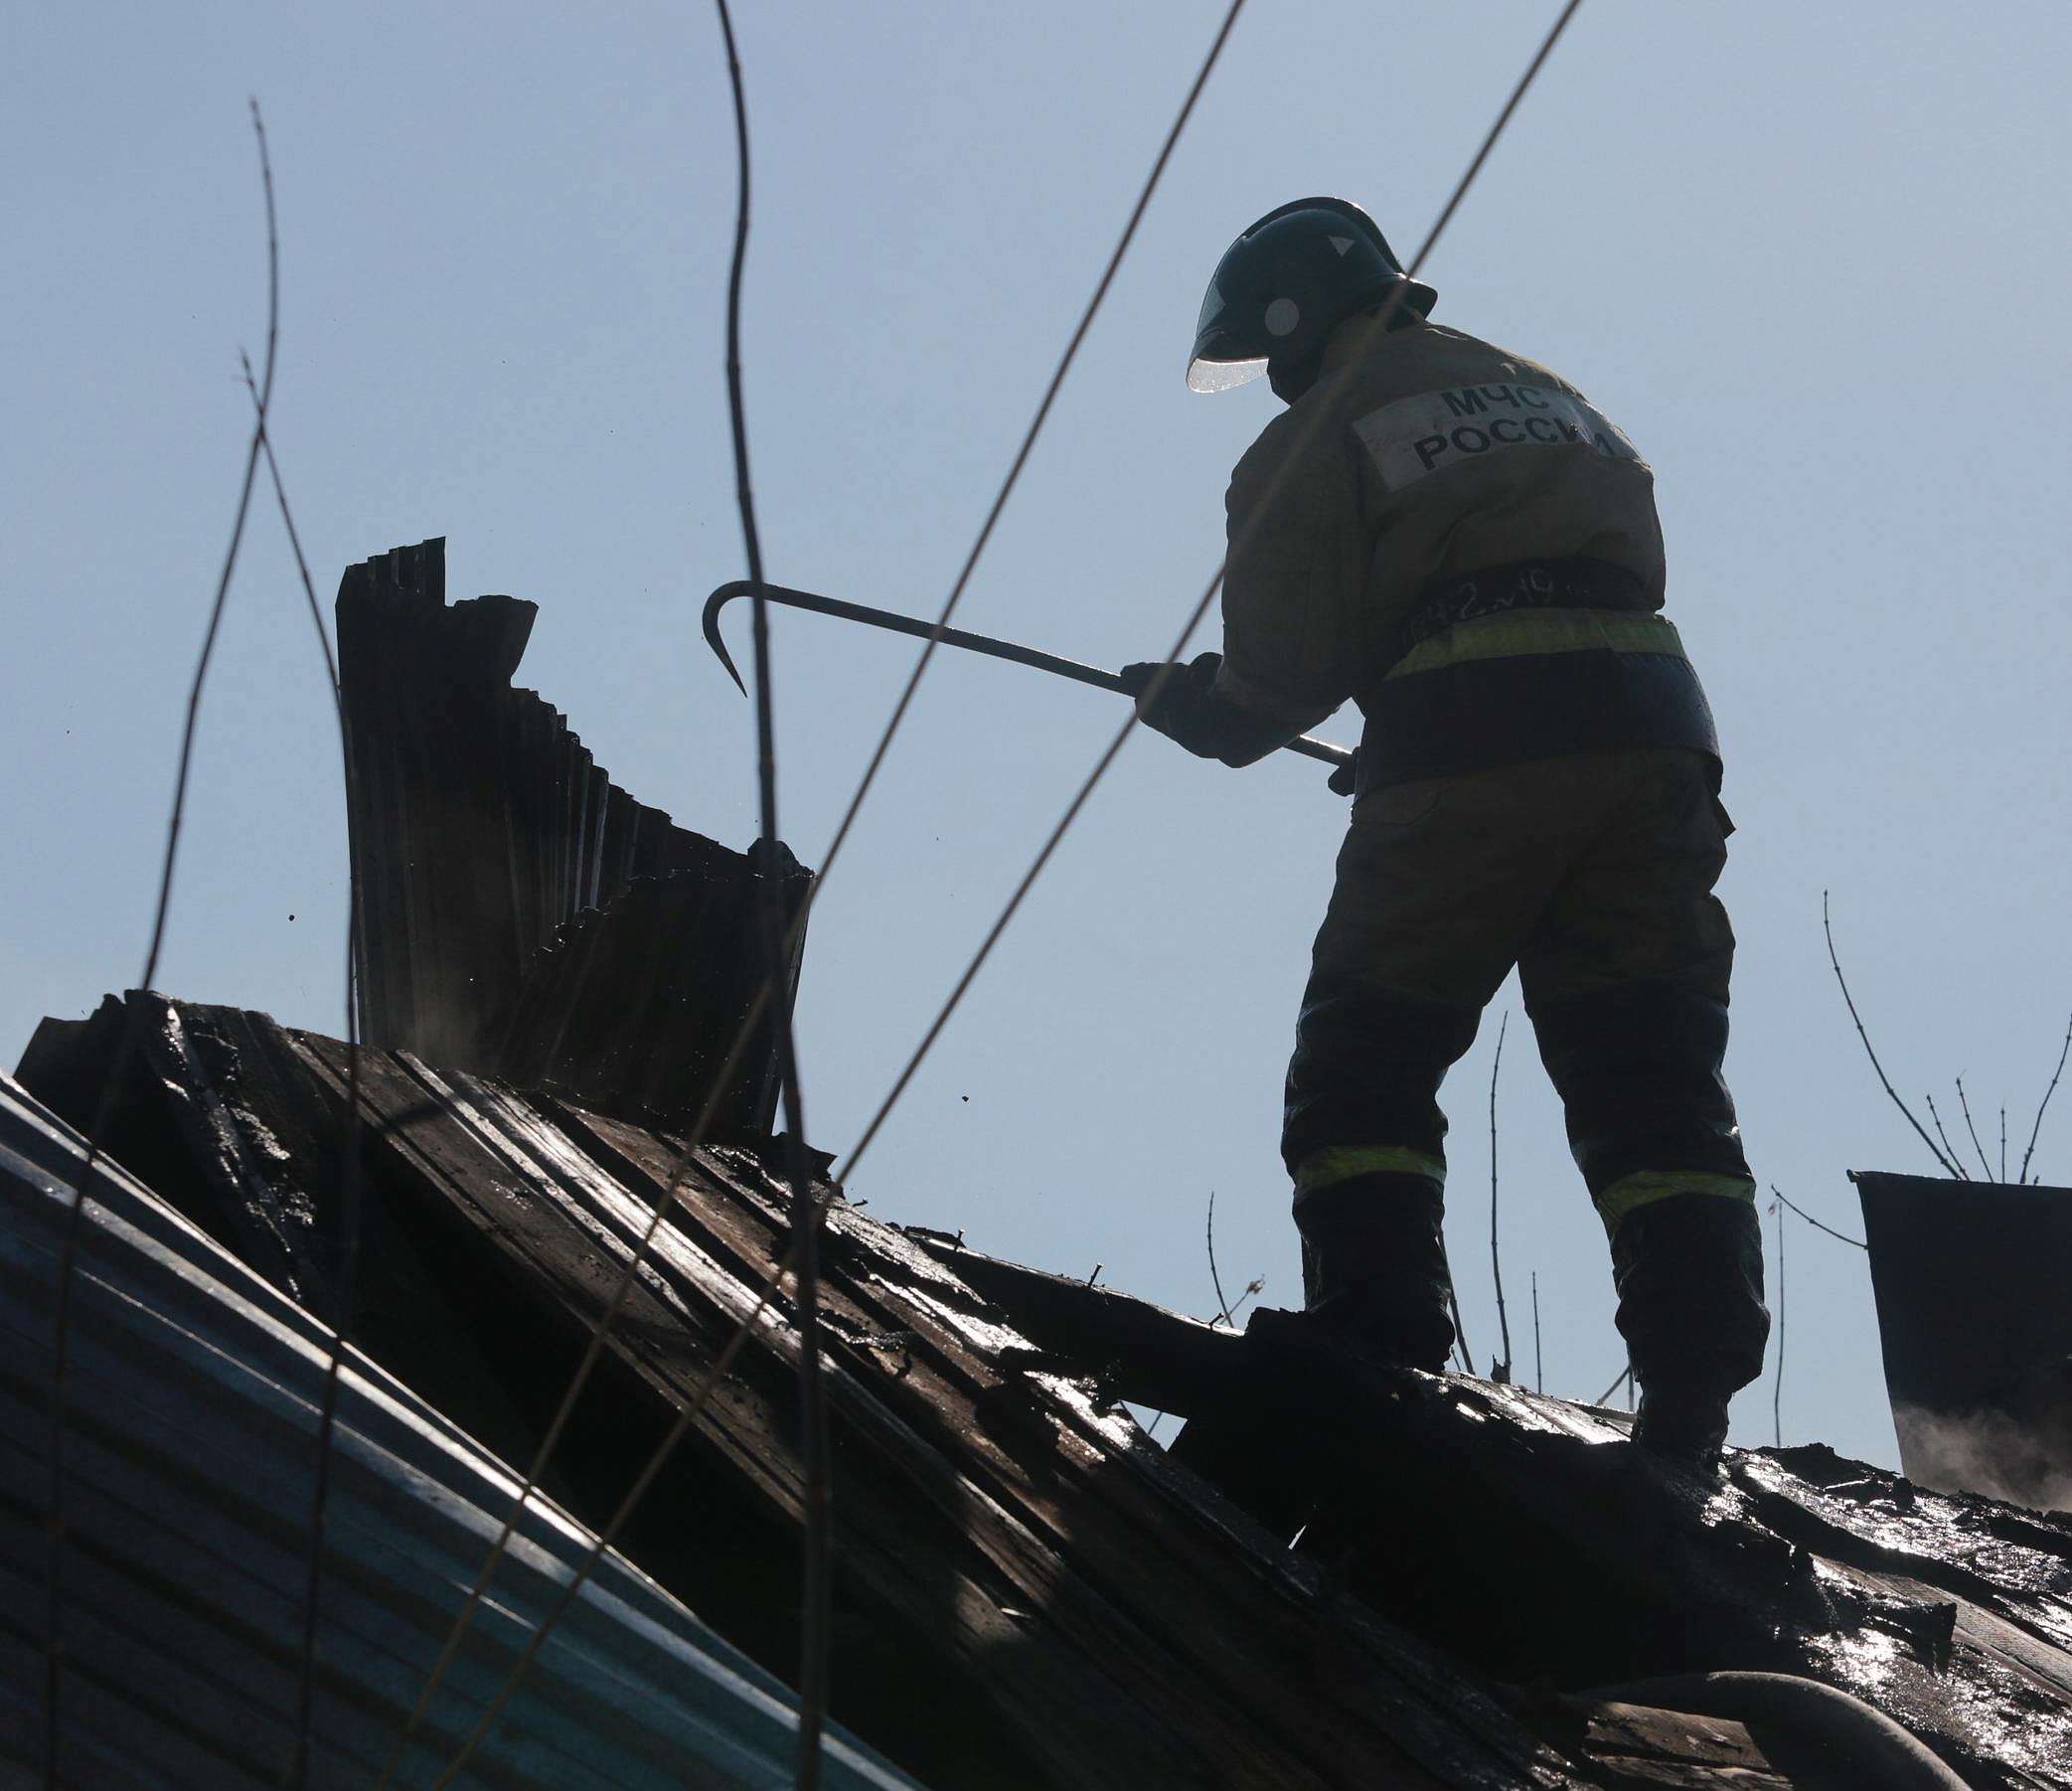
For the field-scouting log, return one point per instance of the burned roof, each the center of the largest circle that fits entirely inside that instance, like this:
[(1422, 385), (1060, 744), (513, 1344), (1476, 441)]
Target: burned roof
[(1339, 1576), (1336, 1576)]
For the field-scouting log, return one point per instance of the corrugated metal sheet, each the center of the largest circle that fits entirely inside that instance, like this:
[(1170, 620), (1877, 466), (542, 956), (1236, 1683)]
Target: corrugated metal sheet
[(191, 1456), (495, 858)]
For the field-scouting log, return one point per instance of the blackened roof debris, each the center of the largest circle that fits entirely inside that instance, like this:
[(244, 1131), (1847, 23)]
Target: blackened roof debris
[(1337, 1577), (1032, 1592), (192, 1423)]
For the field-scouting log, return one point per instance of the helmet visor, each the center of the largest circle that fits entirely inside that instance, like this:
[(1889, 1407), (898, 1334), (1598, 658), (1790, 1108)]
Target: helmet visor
[(1205, 375), (1223, 357)]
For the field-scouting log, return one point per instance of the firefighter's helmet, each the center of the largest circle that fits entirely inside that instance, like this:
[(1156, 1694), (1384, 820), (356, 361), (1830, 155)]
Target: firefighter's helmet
[(1284, 284)]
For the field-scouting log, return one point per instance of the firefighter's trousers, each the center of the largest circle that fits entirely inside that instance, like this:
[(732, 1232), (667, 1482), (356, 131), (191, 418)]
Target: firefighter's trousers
[(1593, 874)]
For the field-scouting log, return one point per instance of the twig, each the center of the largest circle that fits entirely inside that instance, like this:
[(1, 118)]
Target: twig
[(1968, 1127), (1223, 1305), (2004, 1144), (349, 1224), (1252, 1290), (1828, 928), (1777, 1394), (1539, 1371), (1955, 1163), (816, 1523), (1502, 1376), (1453, 1301), (2047, 1093), (1842, 1237)]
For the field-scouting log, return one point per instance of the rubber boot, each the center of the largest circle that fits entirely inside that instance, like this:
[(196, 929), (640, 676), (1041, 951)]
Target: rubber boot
[(1373, 1268), (1690, 1275), (1683, 1421)]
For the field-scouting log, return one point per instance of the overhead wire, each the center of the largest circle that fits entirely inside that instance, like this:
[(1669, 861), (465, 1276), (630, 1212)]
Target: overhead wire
[(1028, 437), (74, 1238), (1150, 697), (750, 1026), (709, 1381)]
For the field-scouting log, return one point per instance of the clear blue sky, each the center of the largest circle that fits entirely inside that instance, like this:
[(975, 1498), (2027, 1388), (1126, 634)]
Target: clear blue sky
[(1813, 260)]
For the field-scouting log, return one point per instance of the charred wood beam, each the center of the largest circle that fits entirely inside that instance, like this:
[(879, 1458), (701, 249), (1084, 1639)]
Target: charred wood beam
[(1133, 1349)]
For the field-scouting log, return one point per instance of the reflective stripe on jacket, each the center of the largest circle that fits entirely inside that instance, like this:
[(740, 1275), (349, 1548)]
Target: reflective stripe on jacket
[(1422, 456)]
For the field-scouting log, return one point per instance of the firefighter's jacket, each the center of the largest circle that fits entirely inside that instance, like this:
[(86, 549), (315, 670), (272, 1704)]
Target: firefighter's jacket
[(1421, 459)]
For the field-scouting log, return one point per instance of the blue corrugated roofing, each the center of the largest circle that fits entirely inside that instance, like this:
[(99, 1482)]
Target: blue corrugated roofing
[(191, 1456)]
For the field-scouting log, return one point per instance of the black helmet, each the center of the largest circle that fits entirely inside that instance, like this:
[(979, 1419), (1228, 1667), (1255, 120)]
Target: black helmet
[(1284, 285)]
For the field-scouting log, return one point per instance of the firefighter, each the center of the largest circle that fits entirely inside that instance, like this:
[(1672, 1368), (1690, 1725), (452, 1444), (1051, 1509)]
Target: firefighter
[(1455, 539)]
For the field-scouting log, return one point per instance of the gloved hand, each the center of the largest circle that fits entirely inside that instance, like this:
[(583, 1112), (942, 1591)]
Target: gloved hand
[(1186, 708), (1190, 711), (1137, 676)]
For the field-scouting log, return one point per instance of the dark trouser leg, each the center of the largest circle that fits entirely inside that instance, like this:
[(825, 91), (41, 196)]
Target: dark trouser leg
[(1438, 883), (1626, 983), (1651, 1126), (1367, 1065)]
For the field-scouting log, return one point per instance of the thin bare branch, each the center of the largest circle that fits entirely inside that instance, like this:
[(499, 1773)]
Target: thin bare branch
[(1500, 1373), (348, 1267), (1223, 1305), (1839, 1236), (1973, 1130), (1828, 928), (1460, 1329), (54, 1526), (816, 1524), (2047, 1093), (1539, 1370), (1777, 1392), (1955, 1161)]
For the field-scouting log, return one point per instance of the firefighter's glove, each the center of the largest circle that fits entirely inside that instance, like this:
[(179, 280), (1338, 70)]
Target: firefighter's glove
[(1188, 710)]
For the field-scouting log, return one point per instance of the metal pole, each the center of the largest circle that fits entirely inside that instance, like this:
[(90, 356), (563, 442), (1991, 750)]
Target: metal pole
[(1321, 750)]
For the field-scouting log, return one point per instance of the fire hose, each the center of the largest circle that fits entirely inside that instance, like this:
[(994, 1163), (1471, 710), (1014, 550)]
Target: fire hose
[(1878, 1750)]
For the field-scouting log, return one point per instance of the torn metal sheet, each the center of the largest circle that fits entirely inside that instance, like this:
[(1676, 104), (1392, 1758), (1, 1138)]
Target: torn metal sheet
[(522, 915)]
